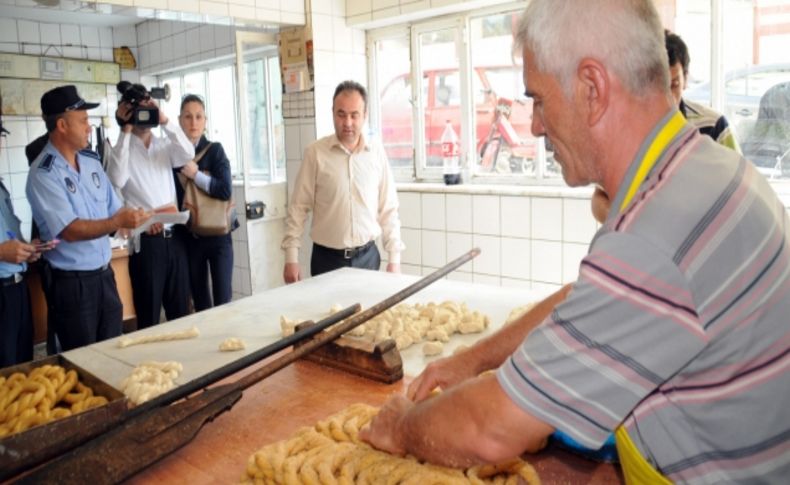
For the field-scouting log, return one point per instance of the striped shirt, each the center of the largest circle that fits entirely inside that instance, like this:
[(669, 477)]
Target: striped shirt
[(677, 326), (710, 122)]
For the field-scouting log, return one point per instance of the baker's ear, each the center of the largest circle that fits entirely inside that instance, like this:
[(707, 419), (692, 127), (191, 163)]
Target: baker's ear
[(594, 85)]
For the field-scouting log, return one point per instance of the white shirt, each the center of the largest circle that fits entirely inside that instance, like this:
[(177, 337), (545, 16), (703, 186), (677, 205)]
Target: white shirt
[(352, 197), (145, 175)]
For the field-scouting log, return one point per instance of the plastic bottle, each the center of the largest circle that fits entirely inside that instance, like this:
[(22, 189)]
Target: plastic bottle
[(451, 166)]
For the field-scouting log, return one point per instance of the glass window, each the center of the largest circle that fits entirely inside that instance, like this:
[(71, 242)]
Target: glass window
[(257, 116), (278, 122), (503, 115), (221, 112), (195, 83), (440, 85), (394, 119), (172, 106)]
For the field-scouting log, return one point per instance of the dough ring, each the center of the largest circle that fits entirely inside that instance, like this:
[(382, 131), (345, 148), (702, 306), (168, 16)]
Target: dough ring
[(331, 453)]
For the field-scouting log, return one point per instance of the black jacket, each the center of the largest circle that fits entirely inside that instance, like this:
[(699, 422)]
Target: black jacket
[(216, 163)]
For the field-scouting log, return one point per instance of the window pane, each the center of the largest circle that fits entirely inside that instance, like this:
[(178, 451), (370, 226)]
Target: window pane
[(441, 89), (503, 115), (278, 132), (195, 83), (757, 77), (395, 107), (255, 73), (173, 106), (221, 112)]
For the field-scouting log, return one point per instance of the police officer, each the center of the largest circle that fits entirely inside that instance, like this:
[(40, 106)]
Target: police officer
[(72, 200), (16, 324)]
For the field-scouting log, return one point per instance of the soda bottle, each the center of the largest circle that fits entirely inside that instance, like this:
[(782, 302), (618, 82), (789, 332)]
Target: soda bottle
[(451, 166)]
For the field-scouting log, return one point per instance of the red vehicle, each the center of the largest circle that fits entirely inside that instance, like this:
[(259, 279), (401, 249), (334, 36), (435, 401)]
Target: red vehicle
[(503, 140)]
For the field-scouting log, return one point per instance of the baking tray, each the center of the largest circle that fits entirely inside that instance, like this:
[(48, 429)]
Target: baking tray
[(19, 450)]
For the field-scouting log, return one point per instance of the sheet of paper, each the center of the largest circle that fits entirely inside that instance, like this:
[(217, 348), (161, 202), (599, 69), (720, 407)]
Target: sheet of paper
[(164, 218)]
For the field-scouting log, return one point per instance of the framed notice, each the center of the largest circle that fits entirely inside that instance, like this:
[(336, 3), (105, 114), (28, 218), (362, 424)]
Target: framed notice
[(15, 65), (68, 71), (23, 96)]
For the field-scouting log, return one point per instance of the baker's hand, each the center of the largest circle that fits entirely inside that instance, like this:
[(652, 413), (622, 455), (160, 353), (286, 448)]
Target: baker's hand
[(190, 169), (291, 273), (393, 268), (443, 373), (16, 251), (385, 431)]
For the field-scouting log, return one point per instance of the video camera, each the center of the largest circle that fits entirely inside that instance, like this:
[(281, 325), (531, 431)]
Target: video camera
[(142, 116)]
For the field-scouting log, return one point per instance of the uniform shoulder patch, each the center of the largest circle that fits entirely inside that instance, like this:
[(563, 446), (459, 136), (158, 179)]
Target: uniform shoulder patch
[(46, 162), (90, 153)]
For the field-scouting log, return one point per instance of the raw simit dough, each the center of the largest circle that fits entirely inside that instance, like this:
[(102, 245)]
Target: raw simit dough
[(518, 312), (232, 343), (331, 453), (161, 337), (432, 348), (150, 379), (287, 325), (45, 394), (411, 324)]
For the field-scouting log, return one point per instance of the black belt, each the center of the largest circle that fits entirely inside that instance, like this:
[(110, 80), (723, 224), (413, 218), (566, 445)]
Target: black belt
[(12, 280), (349, 253), (78, 273), (166, 233)]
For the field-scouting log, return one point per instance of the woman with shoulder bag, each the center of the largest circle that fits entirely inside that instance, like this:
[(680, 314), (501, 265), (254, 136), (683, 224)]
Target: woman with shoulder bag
[(210, 173)]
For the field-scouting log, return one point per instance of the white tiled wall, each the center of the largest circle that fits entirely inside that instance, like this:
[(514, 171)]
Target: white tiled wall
[(55, 40), (532, 241), (166, 45), (384, 12)]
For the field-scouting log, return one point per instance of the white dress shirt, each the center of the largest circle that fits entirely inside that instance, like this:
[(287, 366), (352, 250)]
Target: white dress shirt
[(352, 197), (145, 175)]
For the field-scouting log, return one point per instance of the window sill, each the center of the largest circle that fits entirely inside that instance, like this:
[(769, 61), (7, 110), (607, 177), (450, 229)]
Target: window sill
[(555, 191)]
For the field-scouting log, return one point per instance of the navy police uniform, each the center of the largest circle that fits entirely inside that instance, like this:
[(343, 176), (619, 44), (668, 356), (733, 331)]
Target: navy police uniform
[(82, 297), (16, 325)]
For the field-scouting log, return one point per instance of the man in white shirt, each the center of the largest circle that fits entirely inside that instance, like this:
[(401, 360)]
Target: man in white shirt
[(346, 181), (141, 167)]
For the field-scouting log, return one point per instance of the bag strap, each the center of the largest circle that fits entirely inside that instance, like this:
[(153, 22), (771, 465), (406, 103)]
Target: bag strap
[(181, 177)]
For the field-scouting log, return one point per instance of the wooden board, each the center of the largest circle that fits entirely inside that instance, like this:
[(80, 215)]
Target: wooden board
[(299, 396)]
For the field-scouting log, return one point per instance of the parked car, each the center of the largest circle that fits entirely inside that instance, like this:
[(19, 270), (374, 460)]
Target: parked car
[(743, 89), (757, 105), (503, 139)]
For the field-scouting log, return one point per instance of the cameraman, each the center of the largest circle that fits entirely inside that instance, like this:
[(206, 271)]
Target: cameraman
[(141, 167)]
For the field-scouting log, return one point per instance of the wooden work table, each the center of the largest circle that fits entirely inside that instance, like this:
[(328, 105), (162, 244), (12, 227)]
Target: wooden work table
[(304, 393)]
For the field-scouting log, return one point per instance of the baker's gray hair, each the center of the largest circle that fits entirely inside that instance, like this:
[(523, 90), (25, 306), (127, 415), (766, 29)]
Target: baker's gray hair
[(625, 35)]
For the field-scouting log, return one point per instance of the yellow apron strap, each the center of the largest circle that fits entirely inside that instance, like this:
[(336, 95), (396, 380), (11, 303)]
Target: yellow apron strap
[(660, 142), (636, 469)]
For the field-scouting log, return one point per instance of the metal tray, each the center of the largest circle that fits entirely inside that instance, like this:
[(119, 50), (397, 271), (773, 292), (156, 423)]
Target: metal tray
[(42, 441)]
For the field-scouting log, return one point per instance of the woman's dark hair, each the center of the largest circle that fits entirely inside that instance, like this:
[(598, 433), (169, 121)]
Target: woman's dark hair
[(677, 51), (192, 98)]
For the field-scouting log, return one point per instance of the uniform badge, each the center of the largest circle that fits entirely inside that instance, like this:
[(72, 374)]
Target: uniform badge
[(96, 180), (70, 185)]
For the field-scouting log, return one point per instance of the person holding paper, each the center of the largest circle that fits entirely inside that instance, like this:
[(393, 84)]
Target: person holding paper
[(72, 200), (141, 167)]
